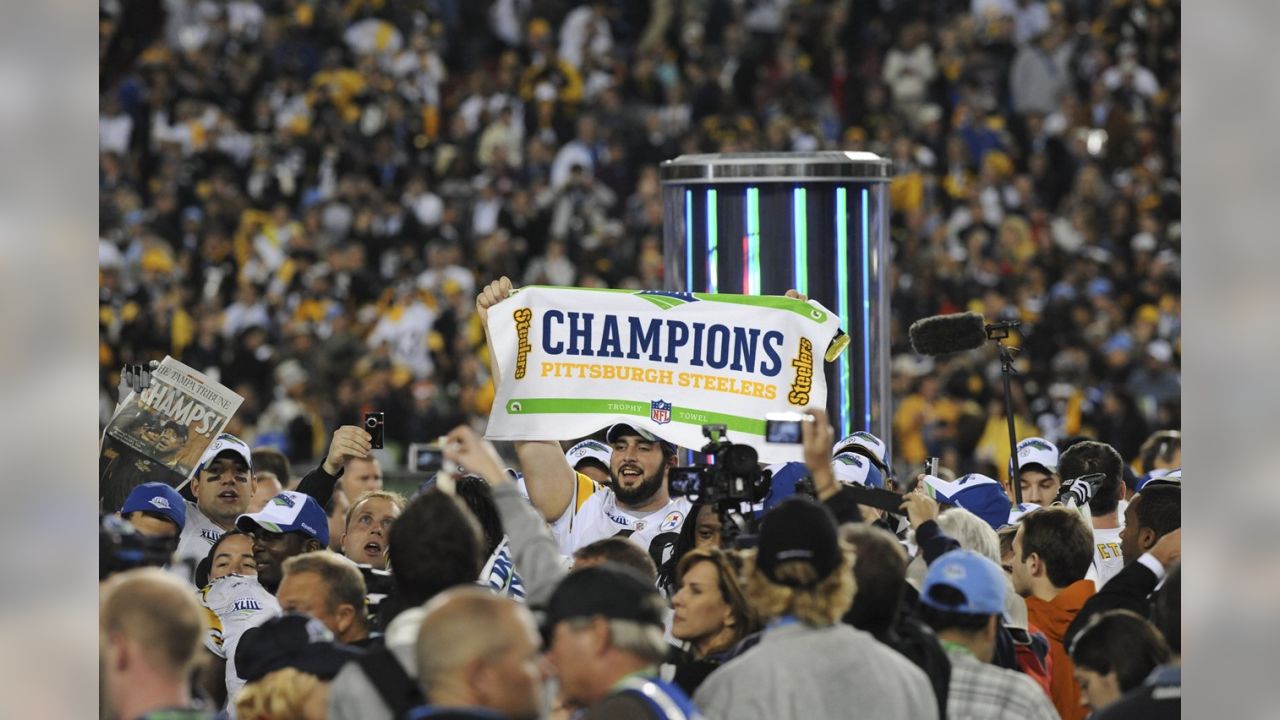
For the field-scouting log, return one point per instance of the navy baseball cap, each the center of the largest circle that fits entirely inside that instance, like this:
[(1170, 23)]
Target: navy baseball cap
[(159, 499), (798, 529), (289, 512), (980, 582), (609, 590)]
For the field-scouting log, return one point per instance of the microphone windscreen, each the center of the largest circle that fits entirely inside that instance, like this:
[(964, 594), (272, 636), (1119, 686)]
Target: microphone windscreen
[(943, 334)]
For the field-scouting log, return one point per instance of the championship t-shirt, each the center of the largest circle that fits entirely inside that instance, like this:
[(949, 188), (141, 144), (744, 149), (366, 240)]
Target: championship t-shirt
[(198, 535), (1107, 560), (234, 603), (598, 516)]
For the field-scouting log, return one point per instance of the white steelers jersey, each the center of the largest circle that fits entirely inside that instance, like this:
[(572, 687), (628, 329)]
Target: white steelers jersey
[(1107, 560), (594, 515)]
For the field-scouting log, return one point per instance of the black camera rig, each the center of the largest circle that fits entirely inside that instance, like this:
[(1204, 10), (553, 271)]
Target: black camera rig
[(732, 483)]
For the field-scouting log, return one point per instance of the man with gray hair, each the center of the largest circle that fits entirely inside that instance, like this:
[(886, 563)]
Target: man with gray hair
[(604, 625), (478, 657), (329, 588)]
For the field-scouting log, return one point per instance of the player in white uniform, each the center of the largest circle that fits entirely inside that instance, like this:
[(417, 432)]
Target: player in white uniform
[(223, 486), (635, 504), (1082, 459)]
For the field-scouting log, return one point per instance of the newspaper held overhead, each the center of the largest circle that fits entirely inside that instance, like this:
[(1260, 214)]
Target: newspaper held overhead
[(159, 433)]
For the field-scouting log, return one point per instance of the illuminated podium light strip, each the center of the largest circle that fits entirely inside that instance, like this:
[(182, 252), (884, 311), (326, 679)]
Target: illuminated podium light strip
[(713, 234), (866, 308), (800, 221), (688, 240), (842, 302), (751, 245)]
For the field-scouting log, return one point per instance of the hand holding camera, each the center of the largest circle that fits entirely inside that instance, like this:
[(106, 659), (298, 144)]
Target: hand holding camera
[(349, 441)]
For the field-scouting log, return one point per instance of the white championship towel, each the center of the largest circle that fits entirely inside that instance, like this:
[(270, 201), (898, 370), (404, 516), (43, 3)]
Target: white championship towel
[(571, 361)]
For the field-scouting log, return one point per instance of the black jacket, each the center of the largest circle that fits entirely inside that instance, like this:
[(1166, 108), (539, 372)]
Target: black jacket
[(1129, 589)]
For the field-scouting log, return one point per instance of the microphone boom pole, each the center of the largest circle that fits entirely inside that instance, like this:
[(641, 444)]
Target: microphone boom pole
[(997, 332), (948, 334)]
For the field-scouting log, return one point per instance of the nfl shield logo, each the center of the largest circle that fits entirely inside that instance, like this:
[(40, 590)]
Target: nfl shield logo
[(660, 412)]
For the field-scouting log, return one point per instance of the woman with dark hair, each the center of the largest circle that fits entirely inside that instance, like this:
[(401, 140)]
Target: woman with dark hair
[(1113, 654), (703, 532), (231, 553), (711, 613), (499, 572)]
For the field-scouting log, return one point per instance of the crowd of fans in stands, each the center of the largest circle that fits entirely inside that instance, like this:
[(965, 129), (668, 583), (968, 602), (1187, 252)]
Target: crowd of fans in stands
[(301, 197)]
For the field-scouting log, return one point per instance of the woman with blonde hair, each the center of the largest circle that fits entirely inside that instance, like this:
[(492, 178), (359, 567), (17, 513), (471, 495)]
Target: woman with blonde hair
[(711, 613), (286, 694)]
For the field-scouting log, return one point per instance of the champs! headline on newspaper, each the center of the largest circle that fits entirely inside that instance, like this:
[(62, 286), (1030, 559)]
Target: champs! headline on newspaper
[(571, 361), (174, 420)]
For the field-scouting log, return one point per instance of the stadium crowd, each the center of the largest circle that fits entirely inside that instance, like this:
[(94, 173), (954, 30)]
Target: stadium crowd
[(535, 591), (312, 202), (302, 197)]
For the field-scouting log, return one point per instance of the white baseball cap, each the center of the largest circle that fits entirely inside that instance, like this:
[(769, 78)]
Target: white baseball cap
[(854, 469), (287, 512), (873, 446), (1016, 513), (589, 450), (224, 443), (1038, 451)]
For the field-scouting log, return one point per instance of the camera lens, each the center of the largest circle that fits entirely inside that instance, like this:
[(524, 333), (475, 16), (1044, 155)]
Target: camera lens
[(371, 422)]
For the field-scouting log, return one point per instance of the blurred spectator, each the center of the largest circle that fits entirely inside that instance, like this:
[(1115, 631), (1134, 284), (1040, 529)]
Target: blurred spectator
[(1114, 654), (435, 544), (1052, 552), (808, 663), (270, 174), (150, 627), (329, 588), (478, 657)]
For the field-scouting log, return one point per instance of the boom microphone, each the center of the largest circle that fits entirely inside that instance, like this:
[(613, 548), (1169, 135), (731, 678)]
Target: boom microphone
[(944, 334)]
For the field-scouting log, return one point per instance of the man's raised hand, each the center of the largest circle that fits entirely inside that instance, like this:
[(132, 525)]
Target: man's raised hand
[(465, 447), (349, 441), (492, 294)]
